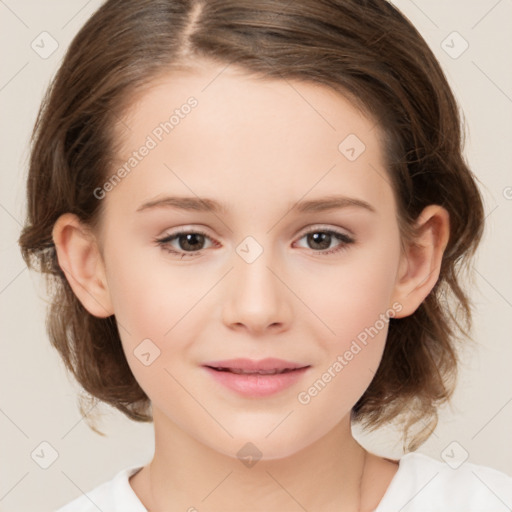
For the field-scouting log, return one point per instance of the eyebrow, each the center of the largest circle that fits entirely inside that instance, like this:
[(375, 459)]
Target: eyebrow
[(322, 204)]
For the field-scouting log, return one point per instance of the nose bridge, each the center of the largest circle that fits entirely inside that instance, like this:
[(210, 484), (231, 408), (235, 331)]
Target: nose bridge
[(256, 298)]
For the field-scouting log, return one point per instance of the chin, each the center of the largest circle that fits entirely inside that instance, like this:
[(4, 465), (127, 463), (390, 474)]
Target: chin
[(255, 445)]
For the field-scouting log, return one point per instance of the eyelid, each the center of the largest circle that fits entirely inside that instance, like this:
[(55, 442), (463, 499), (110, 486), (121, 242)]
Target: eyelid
[(184, 230), (325, 227)]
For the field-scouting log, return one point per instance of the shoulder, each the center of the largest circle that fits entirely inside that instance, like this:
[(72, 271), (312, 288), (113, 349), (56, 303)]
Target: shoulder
[(112, 496), (425, 484)]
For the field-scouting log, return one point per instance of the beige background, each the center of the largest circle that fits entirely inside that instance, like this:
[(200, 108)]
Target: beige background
[(38, 400)]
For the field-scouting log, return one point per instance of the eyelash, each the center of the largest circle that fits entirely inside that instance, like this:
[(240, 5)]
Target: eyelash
[(164, 242)]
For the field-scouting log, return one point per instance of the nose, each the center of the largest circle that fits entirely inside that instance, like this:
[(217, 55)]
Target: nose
[(257, 300)]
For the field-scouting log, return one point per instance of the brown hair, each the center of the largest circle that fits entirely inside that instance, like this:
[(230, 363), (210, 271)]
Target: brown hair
[(365, 49)]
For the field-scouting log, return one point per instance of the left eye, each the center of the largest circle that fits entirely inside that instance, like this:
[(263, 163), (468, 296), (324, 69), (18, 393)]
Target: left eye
[(322, 239)]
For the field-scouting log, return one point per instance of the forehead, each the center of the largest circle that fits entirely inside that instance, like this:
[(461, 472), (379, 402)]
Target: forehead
[(214, 128), (233, 97)]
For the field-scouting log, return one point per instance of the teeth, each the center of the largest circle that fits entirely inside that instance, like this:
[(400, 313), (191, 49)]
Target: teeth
[(252, 372)]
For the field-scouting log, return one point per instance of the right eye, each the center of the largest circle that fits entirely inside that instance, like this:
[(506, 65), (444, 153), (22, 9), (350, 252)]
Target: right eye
[(189, 242)]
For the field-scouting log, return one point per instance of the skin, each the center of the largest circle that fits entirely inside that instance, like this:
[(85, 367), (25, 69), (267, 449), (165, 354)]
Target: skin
[(259, 147)]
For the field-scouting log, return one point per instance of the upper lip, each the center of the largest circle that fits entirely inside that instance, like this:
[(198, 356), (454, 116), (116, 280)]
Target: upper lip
[(267, 364)]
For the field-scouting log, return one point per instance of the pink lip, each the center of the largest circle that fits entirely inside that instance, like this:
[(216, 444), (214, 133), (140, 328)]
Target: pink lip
[(255, 384), (271, 363)]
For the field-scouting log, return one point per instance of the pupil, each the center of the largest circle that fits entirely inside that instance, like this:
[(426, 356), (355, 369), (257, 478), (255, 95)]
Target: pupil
[(191, 240), (324, 239)]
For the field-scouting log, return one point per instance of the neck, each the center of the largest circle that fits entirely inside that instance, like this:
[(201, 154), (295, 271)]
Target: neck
[(184, 473)]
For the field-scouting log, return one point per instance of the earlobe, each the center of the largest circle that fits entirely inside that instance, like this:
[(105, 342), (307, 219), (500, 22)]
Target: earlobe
[(421, 262), (81, 261)]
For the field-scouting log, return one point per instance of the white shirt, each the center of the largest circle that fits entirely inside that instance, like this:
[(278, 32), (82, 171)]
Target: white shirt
[(421, 484)]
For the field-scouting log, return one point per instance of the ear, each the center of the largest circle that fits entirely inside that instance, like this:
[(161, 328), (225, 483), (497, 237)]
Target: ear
[(80, 259), (421, 259)]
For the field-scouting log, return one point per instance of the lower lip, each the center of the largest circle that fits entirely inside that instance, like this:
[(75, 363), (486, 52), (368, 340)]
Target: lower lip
[(256, 385)]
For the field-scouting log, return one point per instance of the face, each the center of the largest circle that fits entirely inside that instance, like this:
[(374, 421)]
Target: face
[(287, 247)]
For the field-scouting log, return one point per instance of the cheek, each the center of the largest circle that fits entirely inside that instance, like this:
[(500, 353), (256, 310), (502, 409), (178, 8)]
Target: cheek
[(145, 310), (351, 356), (149, 296), (159, 312), (354, 305), (353, 295), (146, 307)]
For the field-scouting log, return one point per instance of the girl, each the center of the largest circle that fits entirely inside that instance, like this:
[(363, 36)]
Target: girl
[(253, 215)]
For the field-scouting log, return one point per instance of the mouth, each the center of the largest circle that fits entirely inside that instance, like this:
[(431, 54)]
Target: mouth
[(256, 379), (239, 371), (268, 366)]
